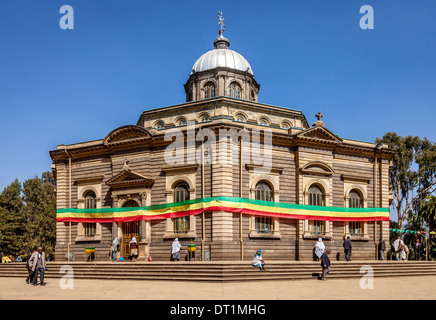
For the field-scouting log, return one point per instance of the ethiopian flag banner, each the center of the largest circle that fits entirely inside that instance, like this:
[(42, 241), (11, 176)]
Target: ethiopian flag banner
[(228, 204)]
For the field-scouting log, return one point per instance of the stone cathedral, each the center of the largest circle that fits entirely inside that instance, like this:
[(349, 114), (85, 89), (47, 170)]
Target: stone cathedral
[(225, 172)]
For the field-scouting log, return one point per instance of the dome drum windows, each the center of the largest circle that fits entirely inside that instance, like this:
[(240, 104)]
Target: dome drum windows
[(209, 90), (235, 90)]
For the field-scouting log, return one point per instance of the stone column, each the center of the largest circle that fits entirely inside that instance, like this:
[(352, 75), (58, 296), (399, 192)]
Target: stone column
[(144, 248), (224, 246), (115, 225)]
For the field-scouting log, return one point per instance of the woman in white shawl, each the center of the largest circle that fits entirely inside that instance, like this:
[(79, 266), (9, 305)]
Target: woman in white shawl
[(175, 250), (114, 249), (401, 249), (133, 244), (319, 249)]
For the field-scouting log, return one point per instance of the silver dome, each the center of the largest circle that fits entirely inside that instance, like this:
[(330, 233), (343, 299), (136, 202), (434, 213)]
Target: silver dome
[(221, 58)]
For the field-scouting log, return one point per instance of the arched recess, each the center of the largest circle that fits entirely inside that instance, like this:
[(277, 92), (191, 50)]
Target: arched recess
[(362, 192)]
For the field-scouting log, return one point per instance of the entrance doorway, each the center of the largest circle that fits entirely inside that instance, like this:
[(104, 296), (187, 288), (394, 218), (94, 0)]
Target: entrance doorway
[(130, 230)]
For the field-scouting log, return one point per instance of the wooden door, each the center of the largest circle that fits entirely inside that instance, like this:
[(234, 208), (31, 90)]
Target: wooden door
[(130, 230)]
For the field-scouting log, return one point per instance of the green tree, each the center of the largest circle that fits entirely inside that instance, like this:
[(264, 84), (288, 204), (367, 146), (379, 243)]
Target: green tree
[(12, 226), (428, 212), (413, 174), (40, 212)]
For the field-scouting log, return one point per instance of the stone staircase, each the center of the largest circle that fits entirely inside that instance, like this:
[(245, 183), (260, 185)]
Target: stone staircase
[(223, 271)]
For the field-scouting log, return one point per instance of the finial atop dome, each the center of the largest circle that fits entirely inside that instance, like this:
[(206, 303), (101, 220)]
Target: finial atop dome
[(221, 22), (221, 42)]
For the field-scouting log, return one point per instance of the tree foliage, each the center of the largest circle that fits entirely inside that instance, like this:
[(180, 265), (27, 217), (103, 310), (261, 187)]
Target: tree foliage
[(413, 174), (28, 215)]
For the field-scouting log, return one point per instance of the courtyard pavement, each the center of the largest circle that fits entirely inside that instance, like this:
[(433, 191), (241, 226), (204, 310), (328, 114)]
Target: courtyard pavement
[(389, 288)]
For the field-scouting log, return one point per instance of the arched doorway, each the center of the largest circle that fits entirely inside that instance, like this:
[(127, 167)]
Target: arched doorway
[(130, 229)]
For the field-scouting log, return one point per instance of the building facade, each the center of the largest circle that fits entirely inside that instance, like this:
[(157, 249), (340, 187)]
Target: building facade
[(225, 172)]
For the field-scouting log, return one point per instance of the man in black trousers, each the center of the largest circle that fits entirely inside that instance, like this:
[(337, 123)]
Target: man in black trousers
[(347, 248), (325, 264)]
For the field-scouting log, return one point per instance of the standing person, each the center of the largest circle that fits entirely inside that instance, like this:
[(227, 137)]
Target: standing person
[(347, 248), (114, 249), (319, 249), (29, 270), (325, 264), (401, 250), (175, 250), (381, 249), (37, 265), (133, 244), (417, 249), (258, 261)]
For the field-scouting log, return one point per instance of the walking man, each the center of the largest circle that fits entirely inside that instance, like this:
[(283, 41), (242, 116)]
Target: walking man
[(37, 265), (347, 248), (325, 264)]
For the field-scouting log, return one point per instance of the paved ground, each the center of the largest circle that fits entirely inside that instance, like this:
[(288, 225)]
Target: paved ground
[(420, 287)]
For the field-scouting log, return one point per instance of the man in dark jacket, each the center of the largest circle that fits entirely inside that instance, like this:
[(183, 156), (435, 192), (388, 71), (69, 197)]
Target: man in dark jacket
[(347, 249), (381, 249), (325, 264)]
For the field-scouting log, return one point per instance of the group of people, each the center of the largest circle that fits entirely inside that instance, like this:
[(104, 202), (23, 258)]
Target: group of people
[(320, 248), (402, 251), (133, 249), (36, 265)]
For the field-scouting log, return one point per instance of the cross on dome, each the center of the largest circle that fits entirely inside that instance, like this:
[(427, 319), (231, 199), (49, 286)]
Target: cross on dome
[(221, 22)]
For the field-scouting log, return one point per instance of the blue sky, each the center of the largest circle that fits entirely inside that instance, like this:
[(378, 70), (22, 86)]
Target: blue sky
[(123, 57)]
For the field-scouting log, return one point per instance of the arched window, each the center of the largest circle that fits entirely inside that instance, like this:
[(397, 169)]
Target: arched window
[(264, 121), (181, 121), (130, 204), (204, 117), (316, 197), (159, 125), (89, 228), (209, 90), (235, 90), (286, 125), (90, 202), (354, 200), (264, 193), (181, 193), (240, 117)]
